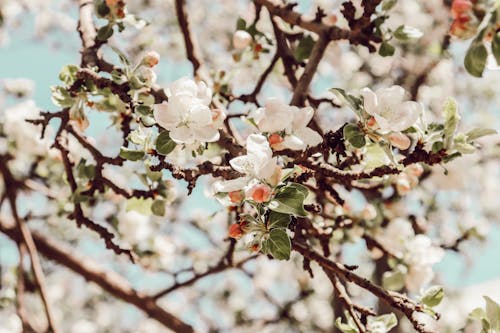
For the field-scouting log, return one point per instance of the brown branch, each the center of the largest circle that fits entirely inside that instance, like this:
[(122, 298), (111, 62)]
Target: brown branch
[(109, 281), (180, 9), (395, 300), (11, 188)]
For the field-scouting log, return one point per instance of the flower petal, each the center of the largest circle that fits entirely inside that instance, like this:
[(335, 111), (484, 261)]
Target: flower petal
[(369, 100), (182, 134), (166, 116)]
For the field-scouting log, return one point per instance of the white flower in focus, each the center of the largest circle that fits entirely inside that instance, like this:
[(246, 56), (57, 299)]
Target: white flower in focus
[(134, 226), (389, 109), (292, 121), (187, 114), (257, 165), (241, 39)]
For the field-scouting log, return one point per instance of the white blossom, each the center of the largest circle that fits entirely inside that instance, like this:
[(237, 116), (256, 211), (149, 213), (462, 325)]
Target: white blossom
[(134, 226), (277, 116), (389, 109), (187, 114)]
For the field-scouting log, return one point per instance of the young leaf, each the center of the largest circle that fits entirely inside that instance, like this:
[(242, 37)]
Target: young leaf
[(493, 313), (475, 59), (140, 205), (289, 200), (386, 49), (68, 74), (354, 135), (345, 328), (130, 154), (451, 119), (476, 133), (393, 280), (406, 33), (433, 296), (303, 50), (278, 244), (104, 33), (495, 46), (158, 207), (278, 220), (164, 144), (388, 4), (384, 323)]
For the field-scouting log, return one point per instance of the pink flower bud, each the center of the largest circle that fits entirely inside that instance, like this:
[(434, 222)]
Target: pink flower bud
[(235, 231), (259, 193), (403, 185), (241, 39), (371, 122), (218, 117), (400, 140), (275, 140), (151, 59), (415, 169), (236, 196)]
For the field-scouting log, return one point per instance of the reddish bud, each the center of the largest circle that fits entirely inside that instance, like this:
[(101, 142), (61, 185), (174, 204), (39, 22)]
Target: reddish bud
[(459, 7), (236, 196), (151, 59), (275, 139), (235, 231), (260, 193)]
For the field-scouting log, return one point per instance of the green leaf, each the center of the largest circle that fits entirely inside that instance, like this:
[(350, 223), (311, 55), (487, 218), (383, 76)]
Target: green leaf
[(278, 220), (346, 328), (68, 74), (495, 46), (388, 4), (61, 97), (394, 280), (386, 49), (354, 135), (104, 33), (433, 296), (143, 110), (477, 314), (158, 207), (102, 10), (304, 49), (406, 33), (164, 144), (451, 119), (475, 59), (476, 133), (354, 102), (290, 200), (123, 58), (493, 313), (387, 321), (130, 154), (241, 24), (140, 205), (278, 244)]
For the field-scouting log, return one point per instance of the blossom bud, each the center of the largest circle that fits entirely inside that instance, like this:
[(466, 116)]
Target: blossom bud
[(236, 196), (371, 123), (151, 59), (111, 3), (415, 169), (403, 185), (459, 7), (259, 193), (400, 140), (369, 212), (275, 139), (235, 231), (218, 117), (241, 39), (255, 247)]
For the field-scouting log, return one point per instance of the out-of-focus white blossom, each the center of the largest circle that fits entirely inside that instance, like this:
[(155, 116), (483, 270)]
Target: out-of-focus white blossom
[(241, 39)]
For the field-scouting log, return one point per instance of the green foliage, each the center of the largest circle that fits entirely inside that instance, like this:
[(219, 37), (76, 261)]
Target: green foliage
[(158, 207), (451, 119), (68, 74), (433, 296), (164, 144), (290, 200), (386, 49), (131, 154), (475, 58), (495, 47), (354, 135), (304, 49), (105, 32), (141, 205), (278, 220), (395, 279), (277, 244), (407, 33), (489, 318)]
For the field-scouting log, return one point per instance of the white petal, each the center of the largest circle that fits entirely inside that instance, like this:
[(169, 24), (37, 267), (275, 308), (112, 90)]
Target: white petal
[(204, 93), (242, 164), (369, 100), (294, 142), (390, 96), (206, 134), (407, 116), (230, 185), (182, 135), (301, 117), (184, 86), (258, 146), (266, 170), (309, 136), (166, 116), (200, 115)]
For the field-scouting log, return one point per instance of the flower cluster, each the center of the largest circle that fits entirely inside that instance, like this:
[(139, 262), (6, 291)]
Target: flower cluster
[(465, 23), (286, 125), (187, 114)]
